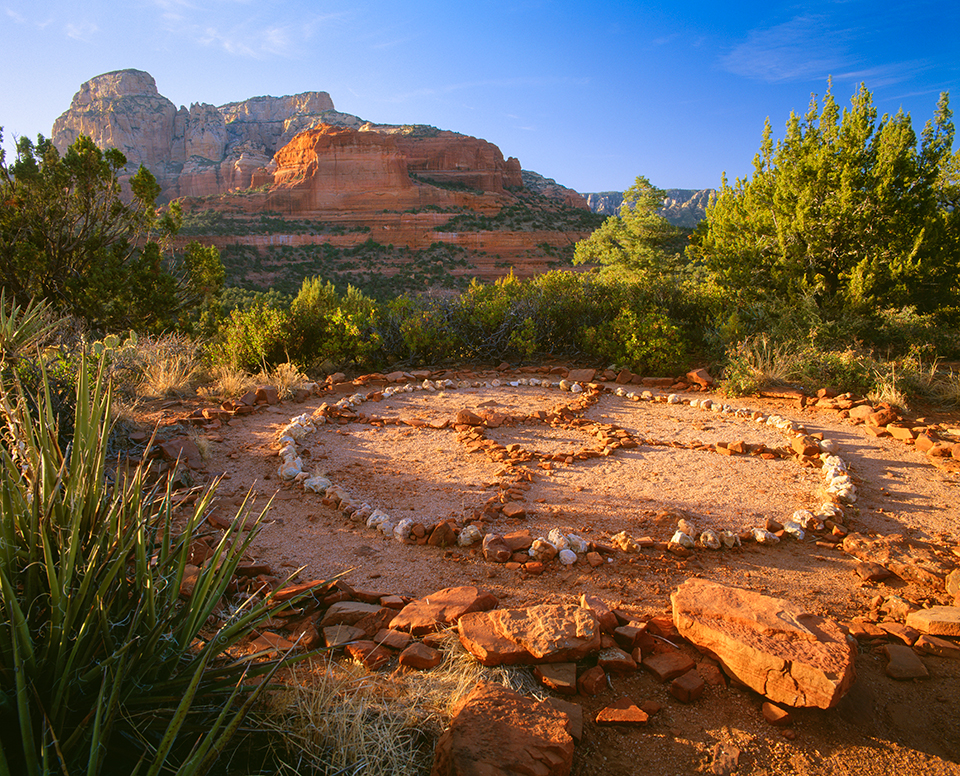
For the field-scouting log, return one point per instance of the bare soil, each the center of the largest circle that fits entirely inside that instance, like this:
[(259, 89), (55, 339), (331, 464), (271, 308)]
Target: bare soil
[(882, 726)]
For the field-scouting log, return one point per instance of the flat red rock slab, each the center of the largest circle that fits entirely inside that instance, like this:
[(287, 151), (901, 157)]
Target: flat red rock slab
[(445, 607), (497, 731), (687, 687), (768, 644), (548, 633), (903, 663), (936, 621), (419, 655), (560, 677), (623, 712), (348, 613), (370, 654), (668, 665), (931, 645)]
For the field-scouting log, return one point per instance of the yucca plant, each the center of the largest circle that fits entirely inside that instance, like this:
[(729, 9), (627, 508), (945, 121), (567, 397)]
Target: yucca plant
[(21, 328), (103, 667)]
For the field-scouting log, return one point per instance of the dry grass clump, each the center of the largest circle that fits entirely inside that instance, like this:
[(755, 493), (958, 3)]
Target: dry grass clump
[(227, 382), (285, 377), (336, 717), (167, 364)]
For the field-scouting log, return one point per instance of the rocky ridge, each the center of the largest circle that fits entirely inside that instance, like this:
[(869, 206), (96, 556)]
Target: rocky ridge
[(681, 207), (207, 150)]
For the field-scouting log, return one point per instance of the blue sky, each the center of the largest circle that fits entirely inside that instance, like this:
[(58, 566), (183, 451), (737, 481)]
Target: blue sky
[(589, 93)]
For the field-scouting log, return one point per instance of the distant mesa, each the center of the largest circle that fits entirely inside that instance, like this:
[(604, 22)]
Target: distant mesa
[(207, 150)]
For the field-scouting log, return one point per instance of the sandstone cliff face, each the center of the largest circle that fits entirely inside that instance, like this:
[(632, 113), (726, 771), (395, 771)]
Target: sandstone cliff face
[(122, 110), (206, 150), (412, 186), (344, 173), (460, 159), (200, 151)]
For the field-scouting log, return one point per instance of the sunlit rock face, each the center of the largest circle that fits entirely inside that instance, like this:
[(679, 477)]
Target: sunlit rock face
[(200, 151)]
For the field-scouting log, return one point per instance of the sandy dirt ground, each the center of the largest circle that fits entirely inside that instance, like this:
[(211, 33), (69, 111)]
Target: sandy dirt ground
[(881, 727)]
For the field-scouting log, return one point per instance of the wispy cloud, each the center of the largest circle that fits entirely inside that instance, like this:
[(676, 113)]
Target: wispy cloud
[(884, 75), (15, 16), (82, 31), (803, 48), (252, 33)]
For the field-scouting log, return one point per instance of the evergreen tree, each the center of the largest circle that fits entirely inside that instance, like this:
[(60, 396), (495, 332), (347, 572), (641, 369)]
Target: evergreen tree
[(639, 242), (68, 235), (844, 212)]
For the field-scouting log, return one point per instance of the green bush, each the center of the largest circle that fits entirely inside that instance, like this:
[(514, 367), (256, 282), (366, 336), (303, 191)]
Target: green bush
[(646, 342), (326, 326), (253, 337), (102, 666)]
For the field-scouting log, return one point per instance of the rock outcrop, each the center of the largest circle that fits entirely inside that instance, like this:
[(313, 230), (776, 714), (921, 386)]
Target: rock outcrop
[(534, 181), (549, 633), (338, 169), (411, 186), (207, 150), (769, 644), (198, 151), (681, 207)]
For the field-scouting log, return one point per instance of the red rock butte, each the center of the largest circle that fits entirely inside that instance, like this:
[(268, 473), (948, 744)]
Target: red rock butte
[(300, 157)]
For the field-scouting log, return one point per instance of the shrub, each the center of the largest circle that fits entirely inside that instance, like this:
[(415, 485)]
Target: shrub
[(252, 337), (646, 341)]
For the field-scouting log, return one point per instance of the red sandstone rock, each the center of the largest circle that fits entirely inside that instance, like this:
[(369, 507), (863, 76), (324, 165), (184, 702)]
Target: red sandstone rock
[(775, 715), (931, 645), (444, 607), (668, 665), (606, 618), (370, 654), (700, 377), (348, 613), (903, 663), (560, 677), (592, 681), (551, 633), (936, 621), (687, 687), (419, 655), (768, 644), (497, 732), (616, 660), (622, 712)]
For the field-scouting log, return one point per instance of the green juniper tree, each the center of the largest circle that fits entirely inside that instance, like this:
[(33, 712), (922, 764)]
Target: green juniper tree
[(70, 236), (845, 213), (638, 242)]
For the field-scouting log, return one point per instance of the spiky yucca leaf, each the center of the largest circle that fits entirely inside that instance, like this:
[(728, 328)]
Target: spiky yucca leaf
[(98, 652)]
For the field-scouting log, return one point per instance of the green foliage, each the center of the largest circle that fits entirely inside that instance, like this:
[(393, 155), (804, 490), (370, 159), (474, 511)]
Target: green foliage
[(416, 330), (531, 212), (252, 337), (639, 242), (69, 236), (845, 212), (583, 315), (326, 326), (22, 329), (102, 667), (644, 342)]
